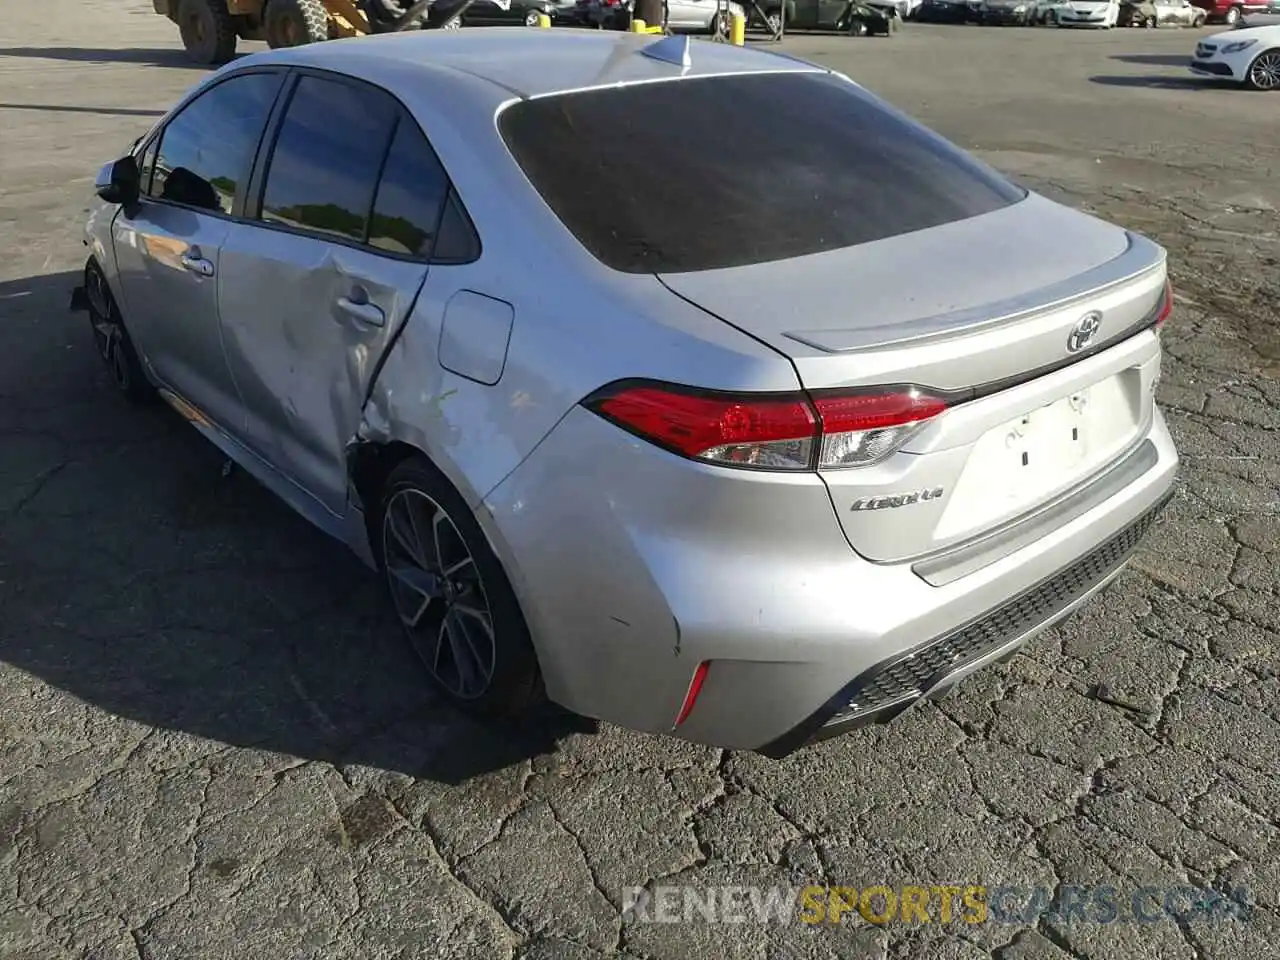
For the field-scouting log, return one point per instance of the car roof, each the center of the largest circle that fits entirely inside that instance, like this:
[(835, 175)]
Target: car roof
[(525, 62)]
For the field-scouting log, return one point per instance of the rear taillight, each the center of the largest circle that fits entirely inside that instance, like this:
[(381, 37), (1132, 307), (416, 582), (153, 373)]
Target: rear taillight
[(769, 431), (1166, 305)]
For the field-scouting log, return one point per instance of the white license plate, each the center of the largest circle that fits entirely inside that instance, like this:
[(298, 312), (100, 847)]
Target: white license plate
[(1042, 453)]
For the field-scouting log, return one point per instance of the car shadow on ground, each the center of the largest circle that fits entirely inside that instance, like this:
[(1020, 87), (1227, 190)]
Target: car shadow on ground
[(103, 111), (1155, 59), (1161, 82), (137, 578), (134, 55)]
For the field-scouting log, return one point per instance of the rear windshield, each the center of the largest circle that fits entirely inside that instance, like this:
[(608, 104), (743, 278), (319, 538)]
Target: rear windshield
[(726, 171)]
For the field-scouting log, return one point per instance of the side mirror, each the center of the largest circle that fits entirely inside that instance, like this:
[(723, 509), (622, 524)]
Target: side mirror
[(119, 182)]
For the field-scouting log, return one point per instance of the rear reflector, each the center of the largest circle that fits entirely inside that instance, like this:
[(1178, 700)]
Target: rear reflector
[(769, 431), (690, 698), (1166, 305)]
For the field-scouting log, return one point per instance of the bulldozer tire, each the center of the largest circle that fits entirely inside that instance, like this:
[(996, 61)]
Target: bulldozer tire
[(292, 23), (207, 30)]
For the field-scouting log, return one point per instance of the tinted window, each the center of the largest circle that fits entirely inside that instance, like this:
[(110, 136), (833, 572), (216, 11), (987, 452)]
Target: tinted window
[(413, 187), (206, 149), (324, 168), (457, 242), (720, 172)]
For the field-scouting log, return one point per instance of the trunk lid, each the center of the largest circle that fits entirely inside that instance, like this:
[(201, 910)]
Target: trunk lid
[(981, 309)]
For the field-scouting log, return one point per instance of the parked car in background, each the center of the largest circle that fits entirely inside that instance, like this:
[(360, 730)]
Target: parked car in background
[(1002, 13), (944, 11), (1160, 13), (449, 14), (684, 16), (1250, 57), (1046, 11), (855, 17), (1230, 11), (1269, 17), (1099, 14)]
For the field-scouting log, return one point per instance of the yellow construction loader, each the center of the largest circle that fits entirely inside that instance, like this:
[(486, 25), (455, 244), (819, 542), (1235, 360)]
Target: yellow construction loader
[(210, 29)]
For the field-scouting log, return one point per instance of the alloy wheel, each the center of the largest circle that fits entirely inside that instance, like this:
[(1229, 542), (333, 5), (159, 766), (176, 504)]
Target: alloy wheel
[(438, 593), (104, 328), (1264, 72)]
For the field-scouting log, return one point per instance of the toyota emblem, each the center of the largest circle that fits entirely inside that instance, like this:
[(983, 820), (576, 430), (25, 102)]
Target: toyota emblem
[(1083, 332)]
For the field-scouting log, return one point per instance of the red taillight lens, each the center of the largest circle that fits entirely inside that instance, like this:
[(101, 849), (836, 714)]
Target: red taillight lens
[(1166, 306), (769, 432), (743, 431), (858, 429)]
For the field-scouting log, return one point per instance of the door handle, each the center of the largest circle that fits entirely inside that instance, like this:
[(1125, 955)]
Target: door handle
[(359, 307), (197, 264)]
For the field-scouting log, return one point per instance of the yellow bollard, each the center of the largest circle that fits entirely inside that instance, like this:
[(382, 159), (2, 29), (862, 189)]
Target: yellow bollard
[(544, 21), (737, 30), (637, 26)]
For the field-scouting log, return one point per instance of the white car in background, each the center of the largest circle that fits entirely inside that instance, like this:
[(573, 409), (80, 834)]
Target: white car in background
[(1089, 13), (1250, 56)]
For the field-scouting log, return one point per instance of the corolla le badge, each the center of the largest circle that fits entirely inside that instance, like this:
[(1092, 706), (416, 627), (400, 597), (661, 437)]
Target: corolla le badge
[(1084, 331), (896, 500)]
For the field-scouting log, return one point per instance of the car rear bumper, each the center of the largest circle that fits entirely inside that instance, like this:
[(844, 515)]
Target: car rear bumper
[(634, 566)]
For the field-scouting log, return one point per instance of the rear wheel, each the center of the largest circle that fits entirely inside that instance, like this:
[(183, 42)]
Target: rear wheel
[(455, 603), (1264, 72), (292, 23), (857, 27), (207, 30), (531, 18), (111, 340)]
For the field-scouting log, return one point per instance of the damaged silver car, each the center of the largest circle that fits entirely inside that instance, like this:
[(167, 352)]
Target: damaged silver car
[(688, 446)]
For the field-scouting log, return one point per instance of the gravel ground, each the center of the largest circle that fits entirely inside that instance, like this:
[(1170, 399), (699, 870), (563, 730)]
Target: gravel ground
[(212, 744)]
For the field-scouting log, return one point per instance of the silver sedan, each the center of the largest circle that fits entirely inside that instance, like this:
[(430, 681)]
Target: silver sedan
[(688, 386)]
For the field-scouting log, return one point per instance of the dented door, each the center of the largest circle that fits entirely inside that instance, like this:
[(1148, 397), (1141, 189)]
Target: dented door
[(305, 323)]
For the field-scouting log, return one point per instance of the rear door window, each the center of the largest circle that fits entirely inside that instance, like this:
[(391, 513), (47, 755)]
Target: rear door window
[(328, 154), (411, 193), (717, 172)]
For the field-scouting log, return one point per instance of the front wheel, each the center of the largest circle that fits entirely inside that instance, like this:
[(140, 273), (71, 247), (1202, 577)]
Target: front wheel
[(531, 18), (1233, 16), (455, 603), (111, 340), (1264, 72), (293, 23)]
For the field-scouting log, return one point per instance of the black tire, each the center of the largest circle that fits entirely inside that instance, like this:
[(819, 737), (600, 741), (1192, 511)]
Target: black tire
[(112, 341), (514, 681), (294, 23), (857, 27), (208, 32), (1264, 71), (1232, 17), (1149, 23), (531, 18)]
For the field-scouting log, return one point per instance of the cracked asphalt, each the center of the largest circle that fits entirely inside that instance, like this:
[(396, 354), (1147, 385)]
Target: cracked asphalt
[(213, 745)]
